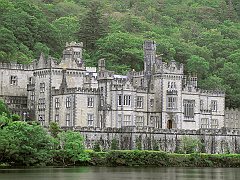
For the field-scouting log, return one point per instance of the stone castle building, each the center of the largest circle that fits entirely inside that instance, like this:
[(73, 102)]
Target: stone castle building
[(73, 95)]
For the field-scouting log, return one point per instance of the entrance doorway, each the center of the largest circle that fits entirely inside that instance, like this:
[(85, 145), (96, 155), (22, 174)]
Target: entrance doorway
[(169, 124)]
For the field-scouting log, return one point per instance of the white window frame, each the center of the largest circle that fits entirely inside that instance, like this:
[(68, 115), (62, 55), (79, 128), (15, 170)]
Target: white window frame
[(139, 121), (57, 103), (68, 102), (127, 120), (120, 100), (90, 120), (214, 106), (139, 103), (204, 123), (189, 107), (56, 117), (126, 100), (68, 119), (90, 102), (171, 102), (41, 119), (214, 124), (41, 104), (32, 96), (14, 80), (42, 87), (201, 105)]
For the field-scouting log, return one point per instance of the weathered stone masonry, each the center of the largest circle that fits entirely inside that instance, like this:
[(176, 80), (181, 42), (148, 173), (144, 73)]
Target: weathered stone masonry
[(214, 140)]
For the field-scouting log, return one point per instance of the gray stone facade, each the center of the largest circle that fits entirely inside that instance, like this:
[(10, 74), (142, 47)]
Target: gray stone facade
[(214, 141), (232, 118), (67, 92)]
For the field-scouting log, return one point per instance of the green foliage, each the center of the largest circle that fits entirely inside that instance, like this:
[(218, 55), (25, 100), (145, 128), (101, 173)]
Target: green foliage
[(15, 117), (93, 26), (189, 145), (138, 143), (71, 147), (136, 158), (116, 48), (54, 129), (114, 144), (97, 147), (67, 28), (155, 145), (3, 108), (25, 144), (28, 144), (158, 158), (198, 65)]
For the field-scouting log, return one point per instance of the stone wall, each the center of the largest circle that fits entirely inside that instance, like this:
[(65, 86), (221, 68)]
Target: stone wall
[(232, 118), (214, 140)]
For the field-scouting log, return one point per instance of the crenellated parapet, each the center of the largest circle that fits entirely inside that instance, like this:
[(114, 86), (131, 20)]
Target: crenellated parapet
[(172, 67), (137, 74), (77, 90), (74, 44), (16, 66), (146, 130), (191, 89), (211, 92)]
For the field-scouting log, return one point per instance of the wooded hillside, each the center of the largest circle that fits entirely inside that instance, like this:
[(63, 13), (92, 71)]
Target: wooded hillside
[(202, 34)]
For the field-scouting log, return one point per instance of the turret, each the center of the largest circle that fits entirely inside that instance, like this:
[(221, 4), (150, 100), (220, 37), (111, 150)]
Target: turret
[(149, 48), (72, 56)]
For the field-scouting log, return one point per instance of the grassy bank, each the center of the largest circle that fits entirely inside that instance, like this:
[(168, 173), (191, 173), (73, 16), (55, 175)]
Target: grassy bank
[(162, 159)]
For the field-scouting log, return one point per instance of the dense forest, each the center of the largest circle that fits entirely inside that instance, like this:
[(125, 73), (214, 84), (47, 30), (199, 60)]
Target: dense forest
[(202, 34)]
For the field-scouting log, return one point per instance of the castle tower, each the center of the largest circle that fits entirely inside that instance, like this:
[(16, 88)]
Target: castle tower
[(105, 78), (149, 48), (72, 56)]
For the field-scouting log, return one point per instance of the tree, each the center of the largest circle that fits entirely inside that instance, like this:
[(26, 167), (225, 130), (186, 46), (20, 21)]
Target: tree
[(93, 26), (122, 51), (67, 27), (40, 48), (189, 145), (8, 42), (54, 129), (71, 147), (213, 82), (198, 65), (28, 144), (4, 109)]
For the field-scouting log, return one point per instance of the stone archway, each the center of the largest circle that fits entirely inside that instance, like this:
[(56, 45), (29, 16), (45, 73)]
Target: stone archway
[(169, 124)]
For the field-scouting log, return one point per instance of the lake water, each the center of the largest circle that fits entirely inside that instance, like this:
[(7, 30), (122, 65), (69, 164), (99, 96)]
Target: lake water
[(120, 173)]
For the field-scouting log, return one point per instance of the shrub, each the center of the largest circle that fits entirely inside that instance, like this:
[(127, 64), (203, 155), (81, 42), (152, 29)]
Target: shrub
[(189, 145), (114, 144), (138, 143), (96, 147)]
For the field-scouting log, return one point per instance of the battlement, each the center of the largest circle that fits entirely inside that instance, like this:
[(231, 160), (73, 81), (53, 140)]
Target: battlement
[(146, 130), (189, 89), (16, 66), (74, 44), (142, 89), (172, 67), (105, 75), (136, 74), (232, 110), (76, 91), (91, 76)]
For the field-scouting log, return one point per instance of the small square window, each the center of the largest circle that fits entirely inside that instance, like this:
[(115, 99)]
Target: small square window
[(13, 80)]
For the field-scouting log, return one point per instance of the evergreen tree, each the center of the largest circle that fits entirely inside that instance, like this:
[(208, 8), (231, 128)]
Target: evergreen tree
[(93, 26)]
